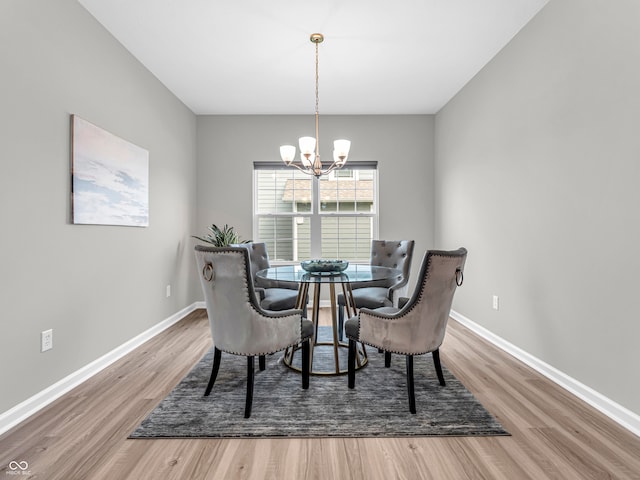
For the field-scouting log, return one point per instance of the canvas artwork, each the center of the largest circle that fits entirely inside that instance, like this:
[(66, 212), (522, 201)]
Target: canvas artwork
[(110, 178)]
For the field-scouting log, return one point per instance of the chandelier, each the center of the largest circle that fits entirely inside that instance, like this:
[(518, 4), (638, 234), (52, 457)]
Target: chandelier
[(309, 146)]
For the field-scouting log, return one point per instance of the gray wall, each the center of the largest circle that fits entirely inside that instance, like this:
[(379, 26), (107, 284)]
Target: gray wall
[(537, 167), (401, 144), (96, 286)]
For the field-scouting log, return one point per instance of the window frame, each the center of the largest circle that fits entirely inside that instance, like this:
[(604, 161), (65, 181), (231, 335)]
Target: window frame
[(315, 215)]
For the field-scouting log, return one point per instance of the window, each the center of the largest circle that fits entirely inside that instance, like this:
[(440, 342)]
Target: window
[(301, 217)]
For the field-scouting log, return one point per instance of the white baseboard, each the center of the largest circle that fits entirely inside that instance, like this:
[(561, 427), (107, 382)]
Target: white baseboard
[(621, 415), (23, 410)]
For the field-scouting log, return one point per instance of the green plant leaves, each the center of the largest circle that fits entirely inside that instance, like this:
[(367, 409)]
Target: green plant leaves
[(221, 237)]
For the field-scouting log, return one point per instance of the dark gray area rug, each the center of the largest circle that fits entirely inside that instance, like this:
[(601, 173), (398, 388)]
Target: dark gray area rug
[(377, 407)]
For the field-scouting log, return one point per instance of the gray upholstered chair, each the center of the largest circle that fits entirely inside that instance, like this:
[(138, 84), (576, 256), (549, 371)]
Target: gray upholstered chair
[(272, 294), (418, 327), (386, 253), (239, 325)]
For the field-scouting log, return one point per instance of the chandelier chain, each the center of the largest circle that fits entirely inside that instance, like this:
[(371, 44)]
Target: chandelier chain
[(317, 129), (316, 77)]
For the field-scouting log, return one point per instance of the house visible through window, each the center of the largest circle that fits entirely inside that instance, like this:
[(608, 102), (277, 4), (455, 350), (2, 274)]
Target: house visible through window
[(301, 217)]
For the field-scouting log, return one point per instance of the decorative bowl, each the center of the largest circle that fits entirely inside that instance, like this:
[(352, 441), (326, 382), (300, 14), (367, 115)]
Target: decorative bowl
[(324, 266)]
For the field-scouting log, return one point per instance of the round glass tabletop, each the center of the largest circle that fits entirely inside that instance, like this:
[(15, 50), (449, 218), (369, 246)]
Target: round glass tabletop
[(353, 273)]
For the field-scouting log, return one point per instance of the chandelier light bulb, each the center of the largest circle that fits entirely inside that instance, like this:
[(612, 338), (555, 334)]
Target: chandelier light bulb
[(341, 148), (288, 153), (307, 145)]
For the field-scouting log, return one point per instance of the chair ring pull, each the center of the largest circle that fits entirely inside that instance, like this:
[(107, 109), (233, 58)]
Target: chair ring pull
[(207, 272), (459, 277)]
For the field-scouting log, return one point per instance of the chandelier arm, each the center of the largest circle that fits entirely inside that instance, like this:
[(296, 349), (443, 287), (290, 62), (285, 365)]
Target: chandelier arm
[(332, 167), (302, 169), (311, 172)]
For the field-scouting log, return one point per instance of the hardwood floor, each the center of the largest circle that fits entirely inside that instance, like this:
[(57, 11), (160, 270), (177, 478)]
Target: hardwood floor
[(83, 435)]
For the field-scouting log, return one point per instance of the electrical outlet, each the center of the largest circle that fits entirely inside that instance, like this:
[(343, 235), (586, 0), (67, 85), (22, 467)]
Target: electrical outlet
[(46, 340), (168, 291), (496, 302)]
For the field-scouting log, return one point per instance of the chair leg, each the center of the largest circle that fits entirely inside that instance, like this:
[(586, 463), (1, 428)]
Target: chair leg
[(305, 309), (438, 365), (262, 362), (306, 350), (340, 322), (387, 359), (249, 400), (412, 396), (214, 371), (351, 364)]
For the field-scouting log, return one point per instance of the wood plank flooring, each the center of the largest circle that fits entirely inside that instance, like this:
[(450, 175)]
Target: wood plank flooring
[(83, 435)]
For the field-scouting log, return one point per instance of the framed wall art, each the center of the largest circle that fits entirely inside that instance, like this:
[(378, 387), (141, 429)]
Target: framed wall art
[(110, 178)]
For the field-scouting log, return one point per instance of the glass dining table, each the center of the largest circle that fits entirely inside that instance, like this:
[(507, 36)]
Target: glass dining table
[(363, 275)]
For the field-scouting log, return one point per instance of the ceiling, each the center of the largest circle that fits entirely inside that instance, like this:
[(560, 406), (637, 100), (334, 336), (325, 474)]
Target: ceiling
[(255, 56)]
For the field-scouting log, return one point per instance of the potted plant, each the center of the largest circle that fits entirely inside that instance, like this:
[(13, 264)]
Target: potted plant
[(221, 237)]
